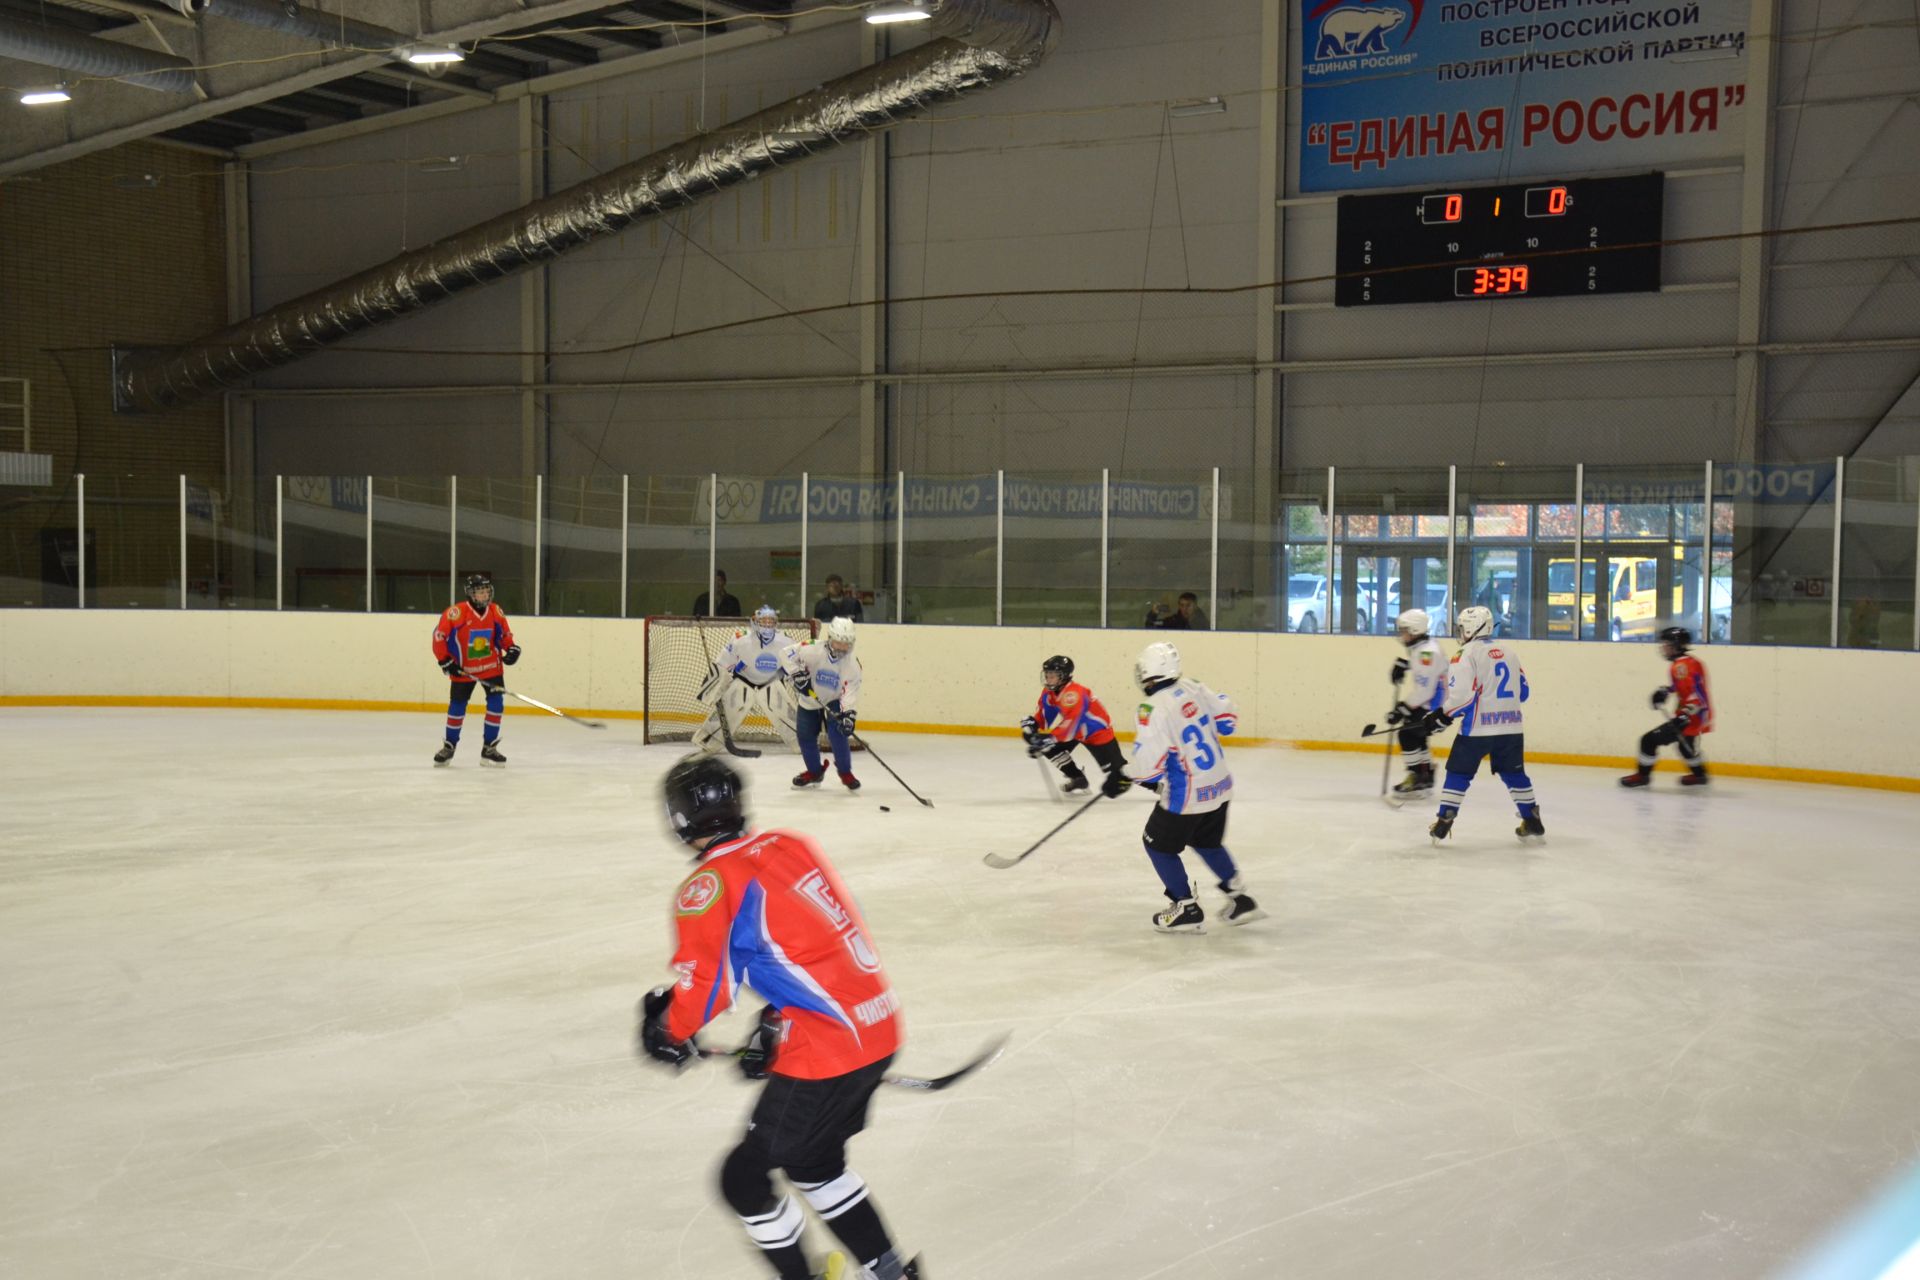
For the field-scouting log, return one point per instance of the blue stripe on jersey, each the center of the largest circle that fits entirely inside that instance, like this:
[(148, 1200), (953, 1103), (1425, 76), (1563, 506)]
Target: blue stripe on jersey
[(764, 971), (1176, 782)]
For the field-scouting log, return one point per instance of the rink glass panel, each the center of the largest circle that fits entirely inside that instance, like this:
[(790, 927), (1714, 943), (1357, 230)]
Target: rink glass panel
[(1160, 544), (1254, 517), (951, 532), (581, 536), (1390, 549), (40, 550), (1053, 549), (667, 543), (1877, 551), (229, 558), (1648, 555), (412, 543), (758, 541), (494, 535), (133, 524), (323, 553), (1513, 548), (1781, 546)]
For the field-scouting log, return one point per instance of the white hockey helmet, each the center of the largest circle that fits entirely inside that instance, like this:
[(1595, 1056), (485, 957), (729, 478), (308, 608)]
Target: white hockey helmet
[(840, 637), (766, 620), (1476, 620), (1157, 662), (1415, 623)]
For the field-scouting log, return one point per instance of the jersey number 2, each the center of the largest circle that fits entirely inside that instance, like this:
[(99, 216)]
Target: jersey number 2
[(1500, 669), (1196, 737)]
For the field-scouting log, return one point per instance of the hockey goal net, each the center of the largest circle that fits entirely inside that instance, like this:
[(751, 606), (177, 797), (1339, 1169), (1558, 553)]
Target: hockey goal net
[(680, 655)]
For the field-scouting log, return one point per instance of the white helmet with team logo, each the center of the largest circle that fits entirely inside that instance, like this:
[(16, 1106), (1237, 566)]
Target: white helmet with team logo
[(766, 620), (1476, 620), (1157, 663), (1414, 623), (840, 637)]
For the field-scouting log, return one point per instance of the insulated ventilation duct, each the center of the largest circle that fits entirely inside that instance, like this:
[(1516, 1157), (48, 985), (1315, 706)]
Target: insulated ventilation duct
[(50, 47), (981, 43)]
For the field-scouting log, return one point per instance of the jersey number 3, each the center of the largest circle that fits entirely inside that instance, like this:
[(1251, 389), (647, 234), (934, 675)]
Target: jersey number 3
[(1196, 737)]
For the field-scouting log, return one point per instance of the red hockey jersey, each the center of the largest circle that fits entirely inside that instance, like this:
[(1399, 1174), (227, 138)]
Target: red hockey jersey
[(1689, 678), (768, 911), (474, 638), (1073, 714)]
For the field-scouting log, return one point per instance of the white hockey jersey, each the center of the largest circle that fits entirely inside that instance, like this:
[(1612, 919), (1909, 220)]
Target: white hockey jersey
[(1485, 687), (833, 678), (1426, 680), (753, 660), (1177, 745)]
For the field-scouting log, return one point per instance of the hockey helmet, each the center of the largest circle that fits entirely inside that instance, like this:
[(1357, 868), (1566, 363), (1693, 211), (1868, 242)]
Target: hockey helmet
[(704, 797), (1058, 665), (1476, 621), (1157, 664), (1679, 637), (1414, 624), (477, 584), (840, 637), (766, 620)]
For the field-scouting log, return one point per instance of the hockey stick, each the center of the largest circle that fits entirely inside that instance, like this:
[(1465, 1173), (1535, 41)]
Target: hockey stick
[(535, 702), (726, 735), (1000, 862), (851, 737), (926, 1084), (1386, 761), (1047, 770)]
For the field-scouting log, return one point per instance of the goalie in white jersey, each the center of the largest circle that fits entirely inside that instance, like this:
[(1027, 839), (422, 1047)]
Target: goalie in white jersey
[(750, 678), (1486, 688), (1177, 753), (1419, 683)]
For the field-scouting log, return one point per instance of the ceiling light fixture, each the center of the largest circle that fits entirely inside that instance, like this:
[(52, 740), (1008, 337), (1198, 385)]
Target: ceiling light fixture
[(434, 55), (45, 95), (1197, 107), (898, 13)]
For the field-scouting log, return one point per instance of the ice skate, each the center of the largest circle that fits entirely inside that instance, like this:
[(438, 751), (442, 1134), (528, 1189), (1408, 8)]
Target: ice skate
[(1531, 830), (1184, 916), (1241, 908), (1638, 778), (1696, 778), (444, 755), (806, 778), (850, 782), (1075, 782), (1439, 831), (490, 754), (1417, 785)]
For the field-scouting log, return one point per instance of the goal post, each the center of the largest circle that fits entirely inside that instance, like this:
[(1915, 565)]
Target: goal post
[(679, 655)]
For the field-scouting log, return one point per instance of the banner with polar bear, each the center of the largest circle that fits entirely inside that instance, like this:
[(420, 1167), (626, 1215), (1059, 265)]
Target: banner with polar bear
[(1425, 93)]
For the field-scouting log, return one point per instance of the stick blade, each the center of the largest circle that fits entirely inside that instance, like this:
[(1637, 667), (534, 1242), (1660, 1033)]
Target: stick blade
[(923, 800), (1000, 861), (745, 753), (987, 1058)]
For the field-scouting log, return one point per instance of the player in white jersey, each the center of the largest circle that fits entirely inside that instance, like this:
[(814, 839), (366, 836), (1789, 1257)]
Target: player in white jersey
[(1177, 753), (826, 675), (1486, 687), (1420, 681), (749, 677)]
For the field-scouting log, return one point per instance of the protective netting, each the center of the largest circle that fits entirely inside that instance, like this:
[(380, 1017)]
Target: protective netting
[(681, 653)]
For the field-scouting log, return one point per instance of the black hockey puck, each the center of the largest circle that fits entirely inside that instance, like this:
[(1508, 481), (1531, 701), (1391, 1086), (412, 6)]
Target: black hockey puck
[(884, 809)]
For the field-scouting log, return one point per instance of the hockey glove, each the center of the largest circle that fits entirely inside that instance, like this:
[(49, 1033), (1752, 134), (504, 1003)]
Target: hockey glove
[(1678, 724), (756, 1056), (1399, 670), (512, 655), (803, 684), (655, 1043), (1030, 731), (845, 719), (1115, 785), (1660, 695), (1397, 715), (451, 667), (1436, 720)]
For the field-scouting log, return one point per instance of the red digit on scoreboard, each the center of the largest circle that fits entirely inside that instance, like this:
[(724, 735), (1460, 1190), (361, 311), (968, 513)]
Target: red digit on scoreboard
[(1556, 200), (1453, 208)]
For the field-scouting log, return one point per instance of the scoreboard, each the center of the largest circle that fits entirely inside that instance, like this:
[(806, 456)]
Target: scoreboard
[(1530, 240)]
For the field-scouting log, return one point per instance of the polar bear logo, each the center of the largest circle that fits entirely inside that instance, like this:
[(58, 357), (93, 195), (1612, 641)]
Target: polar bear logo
[(1348, 32)]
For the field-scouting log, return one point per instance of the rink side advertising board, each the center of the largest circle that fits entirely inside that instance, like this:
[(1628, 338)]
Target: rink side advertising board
[(1406, 93), (1527, 240)]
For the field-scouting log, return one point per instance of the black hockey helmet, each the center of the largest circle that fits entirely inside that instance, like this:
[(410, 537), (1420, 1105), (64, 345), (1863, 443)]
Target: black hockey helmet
[(1058, 665), (478, 582), (705, 797), (1679, 637)]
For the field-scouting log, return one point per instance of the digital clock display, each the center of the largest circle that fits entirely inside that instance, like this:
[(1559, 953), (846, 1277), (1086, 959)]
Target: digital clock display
[(1540, 239)]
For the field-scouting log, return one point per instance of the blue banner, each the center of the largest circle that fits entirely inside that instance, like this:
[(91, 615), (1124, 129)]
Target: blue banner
[(748, 500), (1406, 93)]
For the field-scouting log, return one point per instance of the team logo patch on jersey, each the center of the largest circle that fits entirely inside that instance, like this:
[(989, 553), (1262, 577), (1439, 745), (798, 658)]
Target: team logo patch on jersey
[(453, 614), (698, 894), (1146, 712), (1426, 659), (1495, 653), (1069, 699), (1188, 710)]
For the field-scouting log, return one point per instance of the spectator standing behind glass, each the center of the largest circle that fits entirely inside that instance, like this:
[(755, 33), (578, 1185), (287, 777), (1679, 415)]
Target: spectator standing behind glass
[(1187, 617), (724, 605), (838, 602)]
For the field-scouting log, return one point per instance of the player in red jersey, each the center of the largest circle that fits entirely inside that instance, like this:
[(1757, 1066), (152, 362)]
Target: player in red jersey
[(1689, 683), (473, 643), (1069, 715), (768, 911)]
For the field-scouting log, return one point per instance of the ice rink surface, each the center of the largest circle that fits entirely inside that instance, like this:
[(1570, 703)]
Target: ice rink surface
[(280, 999)]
